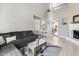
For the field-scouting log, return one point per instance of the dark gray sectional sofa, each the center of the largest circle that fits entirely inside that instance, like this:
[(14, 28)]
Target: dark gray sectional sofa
[(22, 37)]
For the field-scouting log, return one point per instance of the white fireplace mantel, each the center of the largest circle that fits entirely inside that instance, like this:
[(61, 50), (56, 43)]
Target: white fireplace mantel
[(73, 27)]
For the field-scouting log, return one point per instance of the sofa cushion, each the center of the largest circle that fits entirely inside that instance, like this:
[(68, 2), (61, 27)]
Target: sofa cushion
[(23, 34), (23, 42), (18, 35), (6, 35), (28, 33)]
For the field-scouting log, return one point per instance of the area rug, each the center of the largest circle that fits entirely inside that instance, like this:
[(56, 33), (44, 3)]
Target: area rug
[(52, 50)]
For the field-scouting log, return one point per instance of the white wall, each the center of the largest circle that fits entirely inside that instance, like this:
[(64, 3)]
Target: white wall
[(17, 17), (67, 12), (63, 30)]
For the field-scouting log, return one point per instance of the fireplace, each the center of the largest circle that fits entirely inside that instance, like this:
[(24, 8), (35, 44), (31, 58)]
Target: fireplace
[(76, 34)]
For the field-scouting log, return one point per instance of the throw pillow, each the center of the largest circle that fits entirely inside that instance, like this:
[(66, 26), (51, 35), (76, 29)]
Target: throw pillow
[(10, 39), (2, 41)]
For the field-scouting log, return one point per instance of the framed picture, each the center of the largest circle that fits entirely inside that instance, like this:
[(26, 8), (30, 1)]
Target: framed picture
[(76, 19)]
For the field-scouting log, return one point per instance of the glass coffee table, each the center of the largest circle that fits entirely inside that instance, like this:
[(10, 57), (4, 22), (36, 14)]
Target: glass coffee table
[(34, 48)]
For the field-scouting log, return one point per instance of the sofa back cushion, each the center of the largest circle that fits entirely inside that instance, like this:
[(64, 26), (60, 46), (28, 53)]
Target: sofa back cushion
[(28, 33), (18, 34), (23, 34)]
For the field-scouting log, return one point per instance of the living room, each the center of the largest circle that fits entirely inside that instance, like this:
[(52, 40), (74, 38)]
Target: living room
[(39, 29), (17, 20)]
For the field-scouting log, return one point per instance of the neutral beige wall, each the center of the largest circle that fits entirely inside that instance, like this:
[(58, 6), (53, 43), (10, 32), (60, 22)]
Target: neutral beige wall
[(66, 12), (17, 17)]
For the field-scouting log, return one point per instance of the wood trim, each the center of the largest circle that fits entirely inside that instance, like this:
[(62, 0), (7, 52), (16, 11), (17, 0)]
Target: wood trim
[(74, 19)]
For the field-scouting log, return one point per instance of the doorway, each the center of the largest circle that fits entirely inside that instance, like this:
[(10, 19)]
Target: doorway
[(55, 28)]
